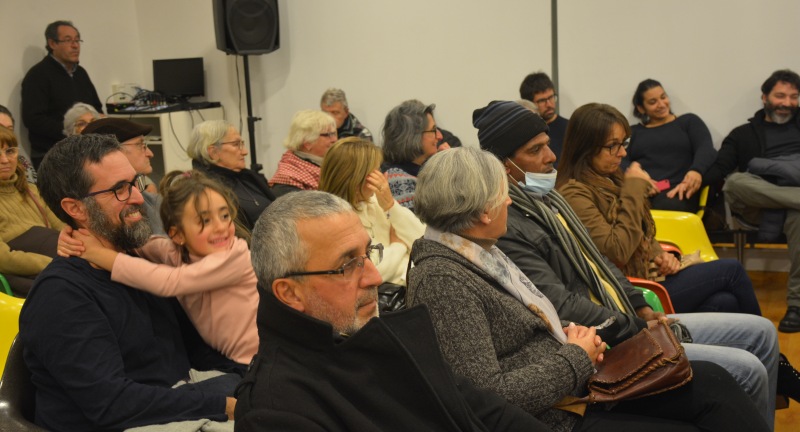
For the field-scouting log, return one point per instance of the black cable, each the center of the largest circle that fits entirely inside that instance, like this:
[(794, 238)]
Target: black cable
[(172, 128), (239, 87)]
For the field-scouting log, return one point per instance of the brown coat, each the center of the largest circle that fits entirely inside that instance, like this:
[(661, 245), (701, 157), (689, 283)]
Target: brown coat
[(618, 219)]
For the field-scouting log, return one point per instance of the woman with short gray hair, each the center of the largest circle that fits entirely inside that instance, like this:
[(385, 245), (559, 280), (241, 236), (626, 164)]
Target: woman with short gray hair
[(310, 136), (218, 150), (78, 116), (410, 136), (496, 328)]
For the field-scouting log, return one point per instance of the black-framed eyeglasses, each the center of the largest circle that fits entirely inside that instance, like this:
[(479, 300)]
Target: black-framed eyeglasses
[(238, 143), (122, 190), (613, 148), (10, 152), (542, 101), (433, 130), (333, 134), (350, 269), (70, 41)]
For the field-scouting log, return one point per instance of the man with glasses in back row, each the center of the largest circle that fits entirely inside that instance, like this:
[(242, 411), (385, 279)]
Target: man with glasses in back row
[(102, 355), (539, 89), (52, 86)]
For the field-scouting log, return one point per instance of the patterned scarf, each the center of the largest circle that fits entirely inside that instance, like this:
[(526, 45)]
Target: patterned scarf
[(497, 265), (297, 172)]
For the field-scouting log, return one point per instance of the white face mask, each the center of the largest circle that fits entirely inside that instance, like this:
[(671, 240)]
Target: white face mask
[(535, 182)]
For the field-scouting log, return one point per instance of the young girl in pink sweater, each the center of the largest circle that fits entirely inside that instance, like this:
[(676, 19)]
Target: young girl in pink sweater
[(202, 263)]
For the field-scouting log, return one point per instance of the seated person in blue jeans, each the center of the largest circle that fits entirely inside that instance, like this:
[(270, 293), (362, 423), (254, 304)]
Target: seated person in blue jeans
[(103, 355)]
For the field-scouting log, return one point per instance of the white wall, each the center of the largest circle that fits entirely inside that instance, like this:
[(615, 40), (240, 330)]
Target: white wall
[(711, 56), (111, 52)]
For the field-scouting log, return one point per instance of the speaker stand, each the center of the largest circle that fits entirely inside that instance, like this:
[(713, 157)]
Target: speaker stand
[(251, 120)]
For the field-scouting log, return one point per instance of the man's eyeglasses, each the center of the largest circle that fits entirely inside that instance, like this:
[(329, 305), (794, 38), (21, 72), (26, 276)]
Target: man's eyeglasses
[(542, 101), (142, 145), (10, 152), (333, 134), (353, 268), (70, 41), (121, 190), (614, 148), (238, 143)]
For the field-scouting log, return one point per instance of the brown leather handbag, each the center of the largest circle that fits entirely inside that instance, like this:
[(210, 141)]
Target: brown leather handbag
[(649, 363)]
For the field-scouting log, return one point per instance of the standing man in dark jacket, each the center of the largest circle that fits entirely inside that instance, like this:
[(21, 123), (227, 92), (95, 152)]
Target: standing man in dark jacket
[(52, 86), (325, 361), (548, 242), (760, 183)]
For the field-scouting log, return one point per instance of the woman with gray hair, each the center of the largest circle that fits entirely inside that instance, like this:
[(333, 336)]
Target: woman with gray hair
[(217, 149), (310, 136), (410, 136), (497, 329), (77, 117)]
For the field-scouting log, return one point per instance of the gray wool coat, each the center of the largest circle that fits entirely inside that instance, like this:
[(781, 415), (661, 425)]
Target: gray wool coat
[(493, 339)]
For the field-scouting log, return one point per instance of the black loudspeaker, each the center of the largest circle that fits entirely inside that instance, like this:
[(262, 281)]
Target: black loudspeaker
[(247, 26)]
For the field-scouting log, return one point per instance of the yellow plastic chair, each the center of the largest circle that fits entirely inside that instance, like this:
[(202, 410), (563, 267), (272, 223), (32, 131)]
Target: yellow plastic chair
[(685, 231), (703, 201), (10, 308)]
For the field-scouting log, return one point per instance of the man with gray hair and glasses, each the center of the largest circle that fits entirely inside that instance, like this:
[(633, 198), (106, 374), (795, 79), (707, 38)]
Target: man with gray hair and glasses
[(102, 355), (334, 102), (52, 86), (325, 360)]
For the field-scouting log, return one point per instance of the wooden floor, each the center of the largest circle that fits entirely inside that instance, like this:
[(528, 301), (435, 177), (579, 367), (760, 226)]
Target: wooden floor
[(771, 292)]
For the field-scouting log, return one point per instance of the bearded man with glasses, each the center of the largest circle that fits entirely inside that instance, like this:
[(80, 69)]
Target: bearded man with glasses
[(52, 86), (102, 355), (326, 361)]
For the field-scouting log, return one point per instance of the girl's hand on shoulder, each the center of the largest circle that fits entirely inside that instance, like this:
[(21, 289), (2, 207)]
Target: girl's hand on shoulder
[(68, 245)]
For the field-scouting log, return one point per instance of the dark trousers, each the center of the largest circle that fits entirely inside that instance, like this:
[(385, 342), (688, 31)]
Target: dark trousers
[(715, 286), (712, 401), (662, 202)]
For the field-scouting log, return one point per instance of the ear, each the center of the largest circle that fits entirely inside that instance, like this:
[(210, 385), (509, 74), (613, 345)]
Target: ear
[(52, 44), (290, 293), (507, 165), (485, 218), (76, 210), (212, 152), (176, 236), (763, 98), (640, 109)]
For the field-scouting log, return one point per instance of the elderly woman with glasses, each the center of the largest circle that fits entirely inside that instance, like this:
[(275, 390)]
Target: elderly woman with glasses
[(78, 117), (217, 150), (28, 229), (410, 137), (615, 209), (496, 328), (311, 134)]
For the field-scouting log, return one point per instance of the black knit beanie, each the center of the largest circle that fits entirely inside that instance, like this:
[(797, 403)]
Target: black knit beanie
[(505, 126)]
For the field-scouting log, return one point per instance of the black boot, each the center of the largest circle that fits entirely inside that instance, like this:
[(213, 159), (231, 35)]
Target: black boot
[(791, 321), (788, 381)]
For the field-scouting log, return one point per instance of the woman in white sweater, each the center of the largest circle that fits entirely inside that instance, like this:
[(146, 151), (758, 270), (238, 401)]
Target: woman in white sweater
[(351, 170)]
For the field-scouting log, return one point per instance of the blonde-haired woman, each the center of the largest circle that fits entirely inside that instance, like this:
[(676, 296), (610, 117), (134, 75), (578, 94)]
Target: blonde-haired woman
[(351, 170), (217, 150), (310, 136)]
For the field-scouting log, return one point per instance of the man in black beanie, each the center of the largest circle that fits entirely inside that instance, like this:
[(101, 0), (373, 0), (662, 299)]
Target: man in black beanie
[(548, 242)]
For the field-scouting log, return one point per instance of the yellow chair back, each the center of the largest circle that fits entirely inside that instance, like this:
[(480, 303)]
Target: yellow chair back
[(10, 308), (685, 231)]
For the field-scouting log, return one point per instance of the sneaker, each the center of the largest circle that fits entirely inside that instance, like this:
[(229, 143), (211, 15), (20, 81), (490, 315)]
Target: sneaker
[(791, 321)]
